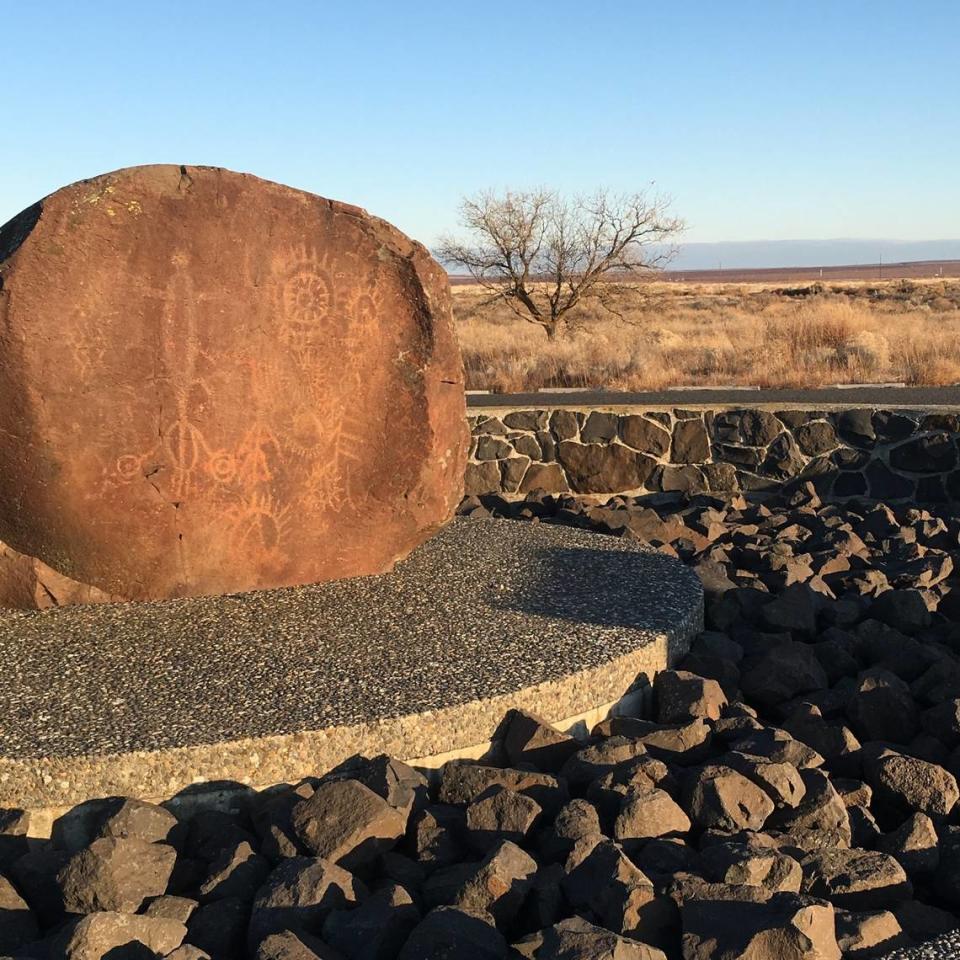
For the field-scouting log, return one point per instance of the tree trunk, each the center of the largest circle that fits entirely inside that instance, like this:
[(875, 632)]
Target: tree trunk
[(551, 329)]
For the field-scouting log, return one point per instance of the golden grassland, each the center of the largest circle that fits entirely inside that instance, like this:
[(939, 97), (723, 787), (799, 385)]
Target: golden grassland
[(767, 335)]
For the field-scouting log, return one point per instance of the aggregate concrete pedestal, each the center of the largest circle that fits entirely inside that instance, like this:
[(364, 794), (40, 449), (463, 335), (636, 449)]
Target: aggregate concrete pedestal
[(154, 699)]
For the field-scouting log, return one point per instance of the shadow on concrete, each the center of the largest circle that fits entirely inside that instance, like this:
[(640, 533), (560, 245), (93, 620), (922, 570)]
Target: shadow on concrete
[(610, 588)]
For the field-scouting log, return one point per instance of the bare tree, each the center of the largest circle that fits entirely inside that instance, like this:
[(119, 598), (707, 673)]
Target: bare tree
[(543, 255)]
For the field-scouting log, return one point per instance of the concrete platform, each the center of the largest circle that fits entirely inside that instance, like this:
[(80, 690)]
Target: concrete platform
[(152, 699)]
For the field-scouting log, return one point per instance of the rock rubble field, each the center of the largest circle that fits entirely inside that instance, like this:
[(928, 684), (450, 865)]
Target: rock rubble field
[(792, 793)]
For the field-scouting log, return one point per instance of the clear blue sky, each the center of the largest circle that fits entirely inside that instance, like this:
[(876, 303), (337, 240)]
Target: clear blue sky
[(764, 120)]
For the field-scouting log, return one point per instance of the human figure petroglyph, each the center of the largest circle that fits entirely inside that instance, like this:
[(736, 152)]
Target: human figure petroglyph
[(325, 436)]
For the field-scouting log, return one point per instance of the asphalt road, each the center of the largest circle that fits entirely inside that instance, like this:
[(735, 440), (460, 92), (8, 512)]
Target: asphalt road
[(921, 397)]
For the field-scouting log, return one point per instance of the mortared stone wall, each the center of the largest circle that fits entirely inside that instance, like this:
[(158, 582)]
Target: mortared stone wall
[(895, 455)]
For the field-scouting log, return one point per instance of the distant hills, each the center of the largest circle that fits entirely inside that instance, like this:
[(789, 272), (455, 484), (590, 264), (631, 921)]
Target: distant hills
[(754, 254), (774, 261)]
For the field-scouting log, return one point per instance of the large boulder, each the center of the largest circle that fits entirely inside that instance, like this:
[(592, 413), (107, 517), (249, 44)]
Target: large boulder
[(718, 797), (214, 383), (856, 879), (463, 782), (907, 784), (787, 927), (347, 823), (495, 887), (120, 817), (116, 875), (500, 814), (751, 864), (18, 925), (109, 934), (376, 929), (578, 939), (300, 892), (682, 696), (449, 932)]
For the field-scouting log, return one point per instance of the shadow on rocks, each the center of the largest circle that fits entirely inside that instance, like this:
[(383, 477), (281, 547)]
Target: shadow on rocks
[(219, 795)]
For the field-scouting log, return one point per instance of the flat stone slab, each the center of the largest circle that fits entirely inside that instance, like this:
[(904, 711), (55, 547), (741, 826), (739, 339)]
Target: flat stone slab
[(148, 699)]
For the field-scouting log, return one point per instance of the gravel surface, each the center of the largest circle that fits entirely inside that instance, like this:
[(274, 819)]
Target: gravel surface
[(946, 947), (481, 609)]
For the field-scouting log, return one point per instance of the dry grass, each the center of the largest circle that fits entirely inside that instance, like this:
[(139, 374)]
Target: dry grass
[(673, 334)]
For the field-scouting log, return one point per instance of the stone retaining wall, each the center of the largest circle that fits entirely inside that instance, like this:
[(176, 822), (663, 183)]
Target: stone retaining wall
[(860, 451)]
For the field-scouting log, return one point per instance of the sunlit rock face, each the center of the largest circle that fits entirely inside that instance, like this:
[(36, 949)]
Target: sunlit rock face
[(212, 383)]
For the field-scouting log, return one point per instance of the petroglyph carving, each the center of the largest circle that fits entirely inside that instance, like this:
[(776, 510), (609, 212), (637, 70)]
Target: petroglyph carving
[(234, 406)]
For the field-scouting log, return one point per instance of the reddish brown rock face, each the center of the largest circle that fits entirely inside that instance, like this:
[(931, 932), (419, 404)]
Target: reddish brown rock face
[(212, 383)]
